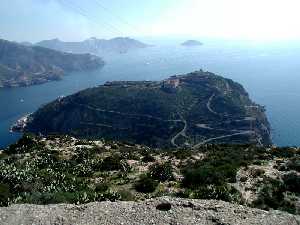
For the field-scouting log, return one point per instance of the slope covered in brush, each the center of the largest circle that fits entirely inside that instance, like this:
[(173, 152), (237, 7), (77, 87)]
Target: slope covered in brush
[(188, 110)]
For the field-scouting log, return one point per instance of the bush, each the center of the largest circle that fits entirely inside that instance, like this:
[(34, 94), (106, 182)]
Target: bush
[(271, 195), (161, 172), (25, 144), (112, 163), (292, 182), (204, 175), (148, 158), (256, 172), (126, 195), (294, 164), (183, 154), (4, 194), (284, 152), (222, 192), (146, 184), (102, 187)]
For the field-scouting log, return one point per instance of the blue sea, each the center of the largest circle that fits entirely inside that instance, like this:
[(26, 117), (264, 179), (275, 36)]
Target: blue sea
[(270, 72)]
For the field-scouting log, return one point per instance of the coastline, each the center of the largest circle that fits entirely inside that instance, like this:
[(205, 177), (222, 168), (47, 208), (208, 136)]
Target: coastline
[(20, 124)]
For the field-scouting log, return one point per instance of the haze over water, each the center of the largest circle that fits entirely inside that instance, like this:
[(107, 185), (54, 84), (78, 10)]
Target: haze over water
[(269, 72)]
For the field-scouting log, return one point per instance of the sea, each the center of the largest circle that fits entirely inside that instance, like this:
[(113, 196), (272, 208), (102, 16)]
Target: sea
[(269, 71)]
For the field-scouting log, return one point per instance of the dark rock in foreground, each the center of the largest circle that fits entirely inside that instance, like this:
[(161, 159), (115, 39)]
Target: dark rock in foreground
[(201, 212)]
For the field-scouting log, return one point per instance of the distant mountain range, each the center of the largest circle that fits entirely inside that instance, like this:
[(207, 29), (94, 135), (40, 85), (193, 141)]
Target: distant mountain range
[(189, 110), (192, 43), (23, 65), (94, 45)]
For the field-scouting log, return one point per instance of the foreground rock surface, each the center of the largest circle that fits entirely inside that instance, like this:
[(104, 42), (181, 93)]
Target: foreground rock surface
[(182, 211)]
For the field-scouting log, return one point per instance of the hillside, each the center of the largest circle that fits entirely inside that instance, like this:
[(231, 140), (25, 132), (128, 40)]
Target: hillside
[(188, 110), (22, 65), (63, 169), (94, 45)]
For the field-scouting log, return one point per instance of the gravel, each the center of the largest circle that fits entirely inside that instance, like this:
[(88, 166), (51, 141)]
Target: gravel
[(162, 211)]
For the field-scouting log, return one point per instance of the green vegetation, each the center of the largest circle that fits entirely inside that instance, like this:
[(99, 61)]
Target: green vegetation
[(220, 165), (61, 169), (272, 196), (161, 172), (167, 114), (209, 178), (146, 184)]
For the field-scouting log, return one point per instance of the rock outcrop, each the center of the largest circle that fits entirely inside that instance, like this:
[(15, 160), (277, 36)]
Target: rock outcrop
[(154, 211)]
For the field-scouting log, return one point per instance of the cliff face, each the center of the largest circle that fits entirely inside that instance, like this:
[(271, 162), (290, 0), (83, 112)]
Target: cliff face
[(26, 65), (189, 110)]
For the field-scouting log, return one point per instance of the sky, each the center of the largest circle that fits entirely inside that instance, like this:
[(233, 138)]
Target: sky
[(73, 20)]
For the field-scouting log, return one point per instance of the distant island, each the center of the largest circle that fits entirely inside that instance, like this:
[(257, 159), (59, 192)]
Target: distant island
[(94, 45), (187, 110), (192, 43), (24, 65)]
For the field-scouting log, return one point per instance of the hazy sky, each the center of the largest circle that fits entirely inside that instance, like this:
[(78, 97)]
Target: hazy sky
[(34, 20)]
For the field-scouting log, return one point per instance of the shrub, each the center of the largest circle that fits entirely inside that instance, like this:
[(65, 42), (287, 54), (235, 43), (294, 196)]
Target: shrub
[(4, 194), (203, 175), (126, 195), (111, 163), (284, 152), (182, 154), (222, 192), (148, 158), (102, 187), (25, 144), (294, 164), (271, 195), (243, 179), (161, 172), (146, 184), (292, 182), (256, 172)]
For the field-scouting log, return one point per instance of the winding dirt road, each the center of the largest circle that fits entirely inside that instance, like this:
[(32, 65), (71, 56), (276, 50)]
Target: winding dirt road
[(208, 105), (181, 133), (221, 137)]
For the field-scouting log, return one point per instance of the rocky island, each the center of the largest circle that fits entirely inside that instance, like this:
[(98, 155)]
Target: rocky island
[(22, 65), (191, 43), (183, 111)]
